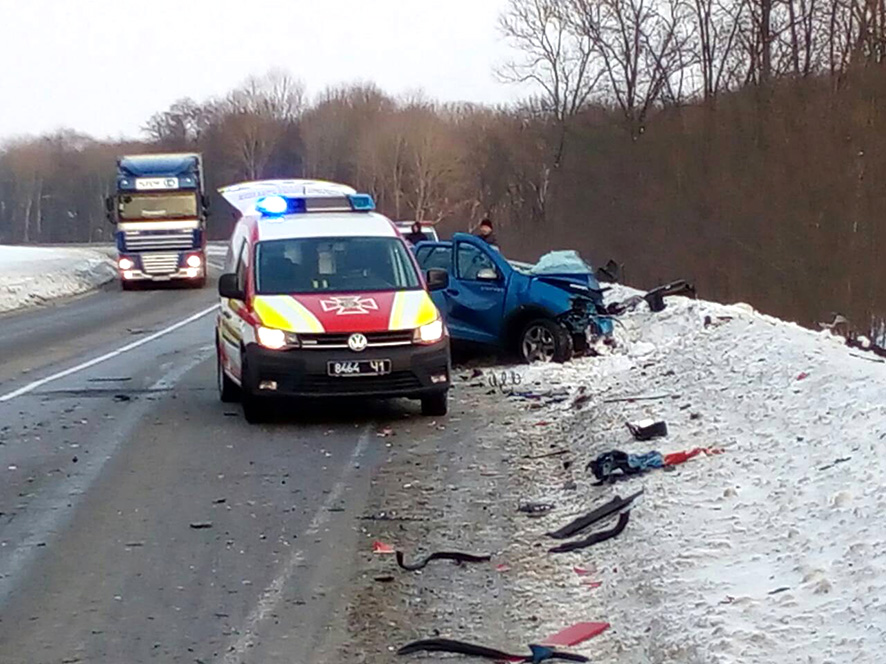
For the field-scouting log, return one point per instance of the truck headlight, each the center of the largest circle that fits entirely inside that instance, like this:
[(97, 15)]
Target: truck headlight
[(194, 261), (430, 333), (125, 264), (275, 339)]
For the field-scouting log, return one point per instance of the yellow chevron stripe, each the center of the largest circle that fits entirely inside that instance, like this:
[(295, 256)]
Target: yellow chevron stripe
[(395, 322), (285, 313)]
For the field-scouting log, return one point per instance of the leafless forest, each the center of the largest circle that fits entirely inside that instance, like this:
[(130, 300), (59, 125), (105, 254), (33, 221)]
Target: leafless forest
[(737, 143)]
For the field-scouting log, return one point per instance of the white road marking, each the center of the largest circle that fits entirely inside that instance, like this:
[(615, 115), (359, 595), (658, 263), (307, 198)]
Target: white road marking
[(30, 387), (48, 519), (270, 598)]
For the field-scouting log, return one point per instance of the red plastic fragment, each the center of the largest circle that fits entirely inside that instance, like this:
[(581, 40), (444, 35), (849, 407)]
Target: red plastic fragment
[(503, 567), (803, 376), (576, 634), (381, 547), (593, 584), (581, 571)]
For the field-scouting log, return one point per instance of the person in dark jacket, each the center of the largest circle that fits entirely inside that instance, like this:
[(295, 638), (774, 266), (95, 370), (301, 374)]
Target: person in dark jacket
[(415, 235), (487, 233)]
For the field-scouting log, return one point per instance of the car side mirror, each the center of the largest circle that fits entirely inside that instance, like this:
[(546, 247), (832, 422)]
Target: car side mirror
[(229, 288), (487, 274), (437, 279)]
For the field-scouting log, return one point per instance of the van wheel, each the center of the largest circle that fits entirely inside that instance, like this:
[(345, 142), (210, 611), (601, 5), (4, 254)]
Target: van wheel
[(255, 409), (228, 390), (436, 404), (544, 340)]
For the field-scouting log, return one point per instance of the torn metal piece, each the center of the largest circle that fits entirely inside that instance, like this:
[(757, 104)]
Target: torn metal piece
[(615, 505), (595, 538), (648, 429), (540, 653), (455, 556)]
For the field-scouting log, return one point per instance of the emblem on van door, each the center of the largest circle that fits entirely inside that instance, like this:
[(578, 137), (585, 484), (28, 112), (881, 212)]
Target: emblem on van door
[(349, 304), (357, 342)]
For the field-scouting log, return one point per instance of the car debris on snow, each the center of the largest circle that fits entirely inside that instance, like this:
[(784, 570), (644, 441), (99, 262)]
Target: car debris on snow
[(595, 538), (538, 653), (455, 556)]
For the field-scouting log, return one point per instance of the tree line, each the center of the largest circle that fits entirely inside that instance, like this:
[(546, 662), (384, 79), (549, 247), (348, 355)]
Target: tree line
[(736, 143)]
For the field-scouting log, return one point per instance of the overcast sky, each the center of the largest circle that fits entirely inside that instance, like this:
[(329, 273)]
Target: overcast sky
[(104, 66)]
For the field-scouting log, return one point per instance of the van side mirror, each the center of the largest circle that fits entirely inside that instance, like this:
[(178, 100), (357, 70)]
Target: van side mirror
[(229, 288), (437, 279)]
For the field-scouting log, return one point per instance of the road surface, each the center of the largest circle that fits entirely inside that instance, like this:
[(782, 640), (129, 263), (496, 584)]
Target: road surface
[(142, 520)]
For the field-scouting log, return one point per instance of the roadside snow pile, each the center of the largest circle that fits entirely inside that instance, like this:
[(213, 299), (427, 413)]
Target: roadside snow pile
[(775, 550), (33, 275)]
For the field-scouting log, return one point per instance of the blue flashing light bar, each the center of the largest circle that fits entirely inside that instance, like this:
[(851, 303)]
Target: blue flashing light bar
[(277, 206), (362, 202)]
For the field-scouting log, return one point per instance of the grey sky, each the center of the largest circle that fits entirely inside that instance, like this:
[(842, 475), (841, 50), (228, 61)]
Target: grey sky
[(104, 66)]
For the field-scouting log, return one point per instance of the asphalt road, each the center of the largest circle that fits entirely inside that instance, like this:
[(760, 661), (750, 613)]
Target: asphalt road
[(142, 520)]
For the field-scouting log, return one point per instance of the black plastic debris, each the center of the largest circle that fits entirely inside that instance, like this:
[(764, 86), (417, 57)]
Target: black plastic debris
[(201, 525), (535, 509), (614, 506), (455, 556), (609, 273), (648, 429), (595, 538), (538, 653)]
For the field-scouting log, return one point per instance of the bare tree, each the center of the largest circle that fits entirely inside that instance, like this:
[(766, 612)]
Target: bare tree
[(555, 58), (643, 45)]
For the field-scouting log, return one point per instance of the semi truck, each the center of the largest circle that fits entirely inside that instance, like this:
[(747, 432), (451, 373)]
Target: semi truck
[(160, 210)]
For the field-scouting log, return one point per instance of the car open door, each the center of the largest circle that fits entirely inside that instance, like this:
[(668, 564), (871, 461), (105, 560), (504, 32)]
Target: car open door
[(477, 291)]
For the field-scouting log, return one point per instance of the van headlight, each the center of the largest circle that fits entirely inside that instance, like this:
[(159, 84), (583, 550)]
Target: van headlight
[(274, 339), (430, 333)]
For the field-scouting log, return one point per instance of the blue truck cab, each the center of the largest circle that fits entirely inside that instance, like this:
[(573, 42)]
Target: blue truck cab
[(544, 312), (160, 210)]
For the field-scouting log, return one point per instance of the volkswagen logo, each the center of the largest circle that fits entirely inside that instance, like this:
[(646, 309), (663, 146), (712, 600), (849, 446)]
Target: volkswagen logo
[(357, 342)]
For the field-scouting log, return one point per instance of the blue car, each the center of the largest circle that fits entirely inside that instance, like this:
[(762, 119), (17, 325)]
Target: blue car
[(543, 312)]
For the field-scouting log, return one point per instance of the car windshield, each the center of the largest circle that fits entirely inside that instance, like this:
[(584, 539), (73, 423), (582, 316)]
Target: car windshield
[(325, 265), (163, 206)]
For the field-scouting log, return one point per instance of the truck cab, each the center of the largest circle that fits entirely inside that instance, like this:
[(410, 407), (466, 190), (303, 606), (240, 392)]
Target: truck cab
[(543, 312), (160, 211)]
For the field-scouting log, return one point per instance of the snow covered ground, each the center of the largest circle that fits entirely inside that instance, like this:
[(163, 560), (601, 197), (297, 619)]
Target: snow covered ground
[(34, 275), (775, 550), (772, 552)]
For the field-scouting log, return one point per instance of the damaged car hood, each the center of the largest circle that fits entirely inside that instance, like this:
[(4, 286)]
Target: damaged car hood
[(565, 269)]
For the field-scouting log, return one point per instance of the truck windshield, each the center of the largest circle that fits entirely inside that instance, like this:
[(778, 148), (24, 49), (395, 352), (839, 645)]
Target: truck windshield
[(318, 265), (158, 206)]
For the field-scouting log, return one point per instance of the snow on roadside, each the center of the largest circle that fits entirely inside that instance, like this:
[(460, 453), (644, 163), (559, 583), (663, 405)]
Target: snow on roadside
[(34, 275), (774, 551)]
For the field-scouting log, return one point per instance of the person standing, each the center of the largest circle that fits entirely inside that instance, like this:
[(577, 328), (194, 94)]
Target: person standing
[(486, 232), (415, 235)]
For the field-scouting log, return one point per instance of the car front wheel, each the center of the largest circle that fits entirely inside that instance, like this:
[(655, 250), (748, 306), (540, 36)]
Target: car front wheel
[(228, 391), (545, 340)]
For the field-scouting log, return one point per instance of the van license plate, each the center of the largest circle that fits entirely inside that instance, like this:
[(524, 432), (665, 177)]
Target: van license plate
[(359, 368)]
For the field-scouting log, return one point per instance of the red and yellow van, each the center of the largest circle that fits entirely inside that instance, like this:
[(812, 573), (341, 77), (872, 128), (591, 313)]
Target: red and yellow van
[(322, 298)]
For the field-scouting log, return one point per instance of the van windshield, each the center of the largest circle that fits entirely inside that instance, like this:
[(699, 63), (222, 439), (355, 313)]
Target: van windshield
[(318, 265)]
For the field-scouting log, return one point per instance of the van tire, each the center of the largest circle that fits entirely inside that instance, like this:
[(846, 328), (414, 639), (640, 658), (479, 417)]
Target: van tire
[(435, 405), (545, 340), (228, 390), (255, 408)]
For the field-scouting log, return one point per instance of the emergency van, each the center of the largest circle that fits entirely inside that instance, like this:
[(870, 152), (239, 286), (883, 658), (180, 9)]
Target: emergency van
[(321, 297)]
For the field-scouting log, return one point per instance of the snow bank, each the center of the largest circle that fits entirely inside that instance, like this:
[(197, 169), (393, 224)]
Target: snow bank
[(34, 275), (774, 551)]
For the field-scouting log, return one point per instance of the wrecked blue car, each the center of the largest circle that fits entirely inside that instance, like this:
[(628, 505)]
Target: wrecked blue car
[(543, 312)]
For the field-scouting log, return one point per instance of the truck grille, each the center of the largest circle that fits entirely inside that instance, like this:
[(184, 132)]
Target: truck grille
[(160, 263), (152, 240), (375, 339)]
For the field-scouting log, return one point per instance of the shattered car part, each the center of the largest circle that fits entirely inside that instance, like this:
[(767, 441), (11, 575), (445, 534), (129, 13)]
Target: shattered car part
[(607, 509), (595, 538), (648, 429), (539, 653), (535, 509), (455, 556)]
